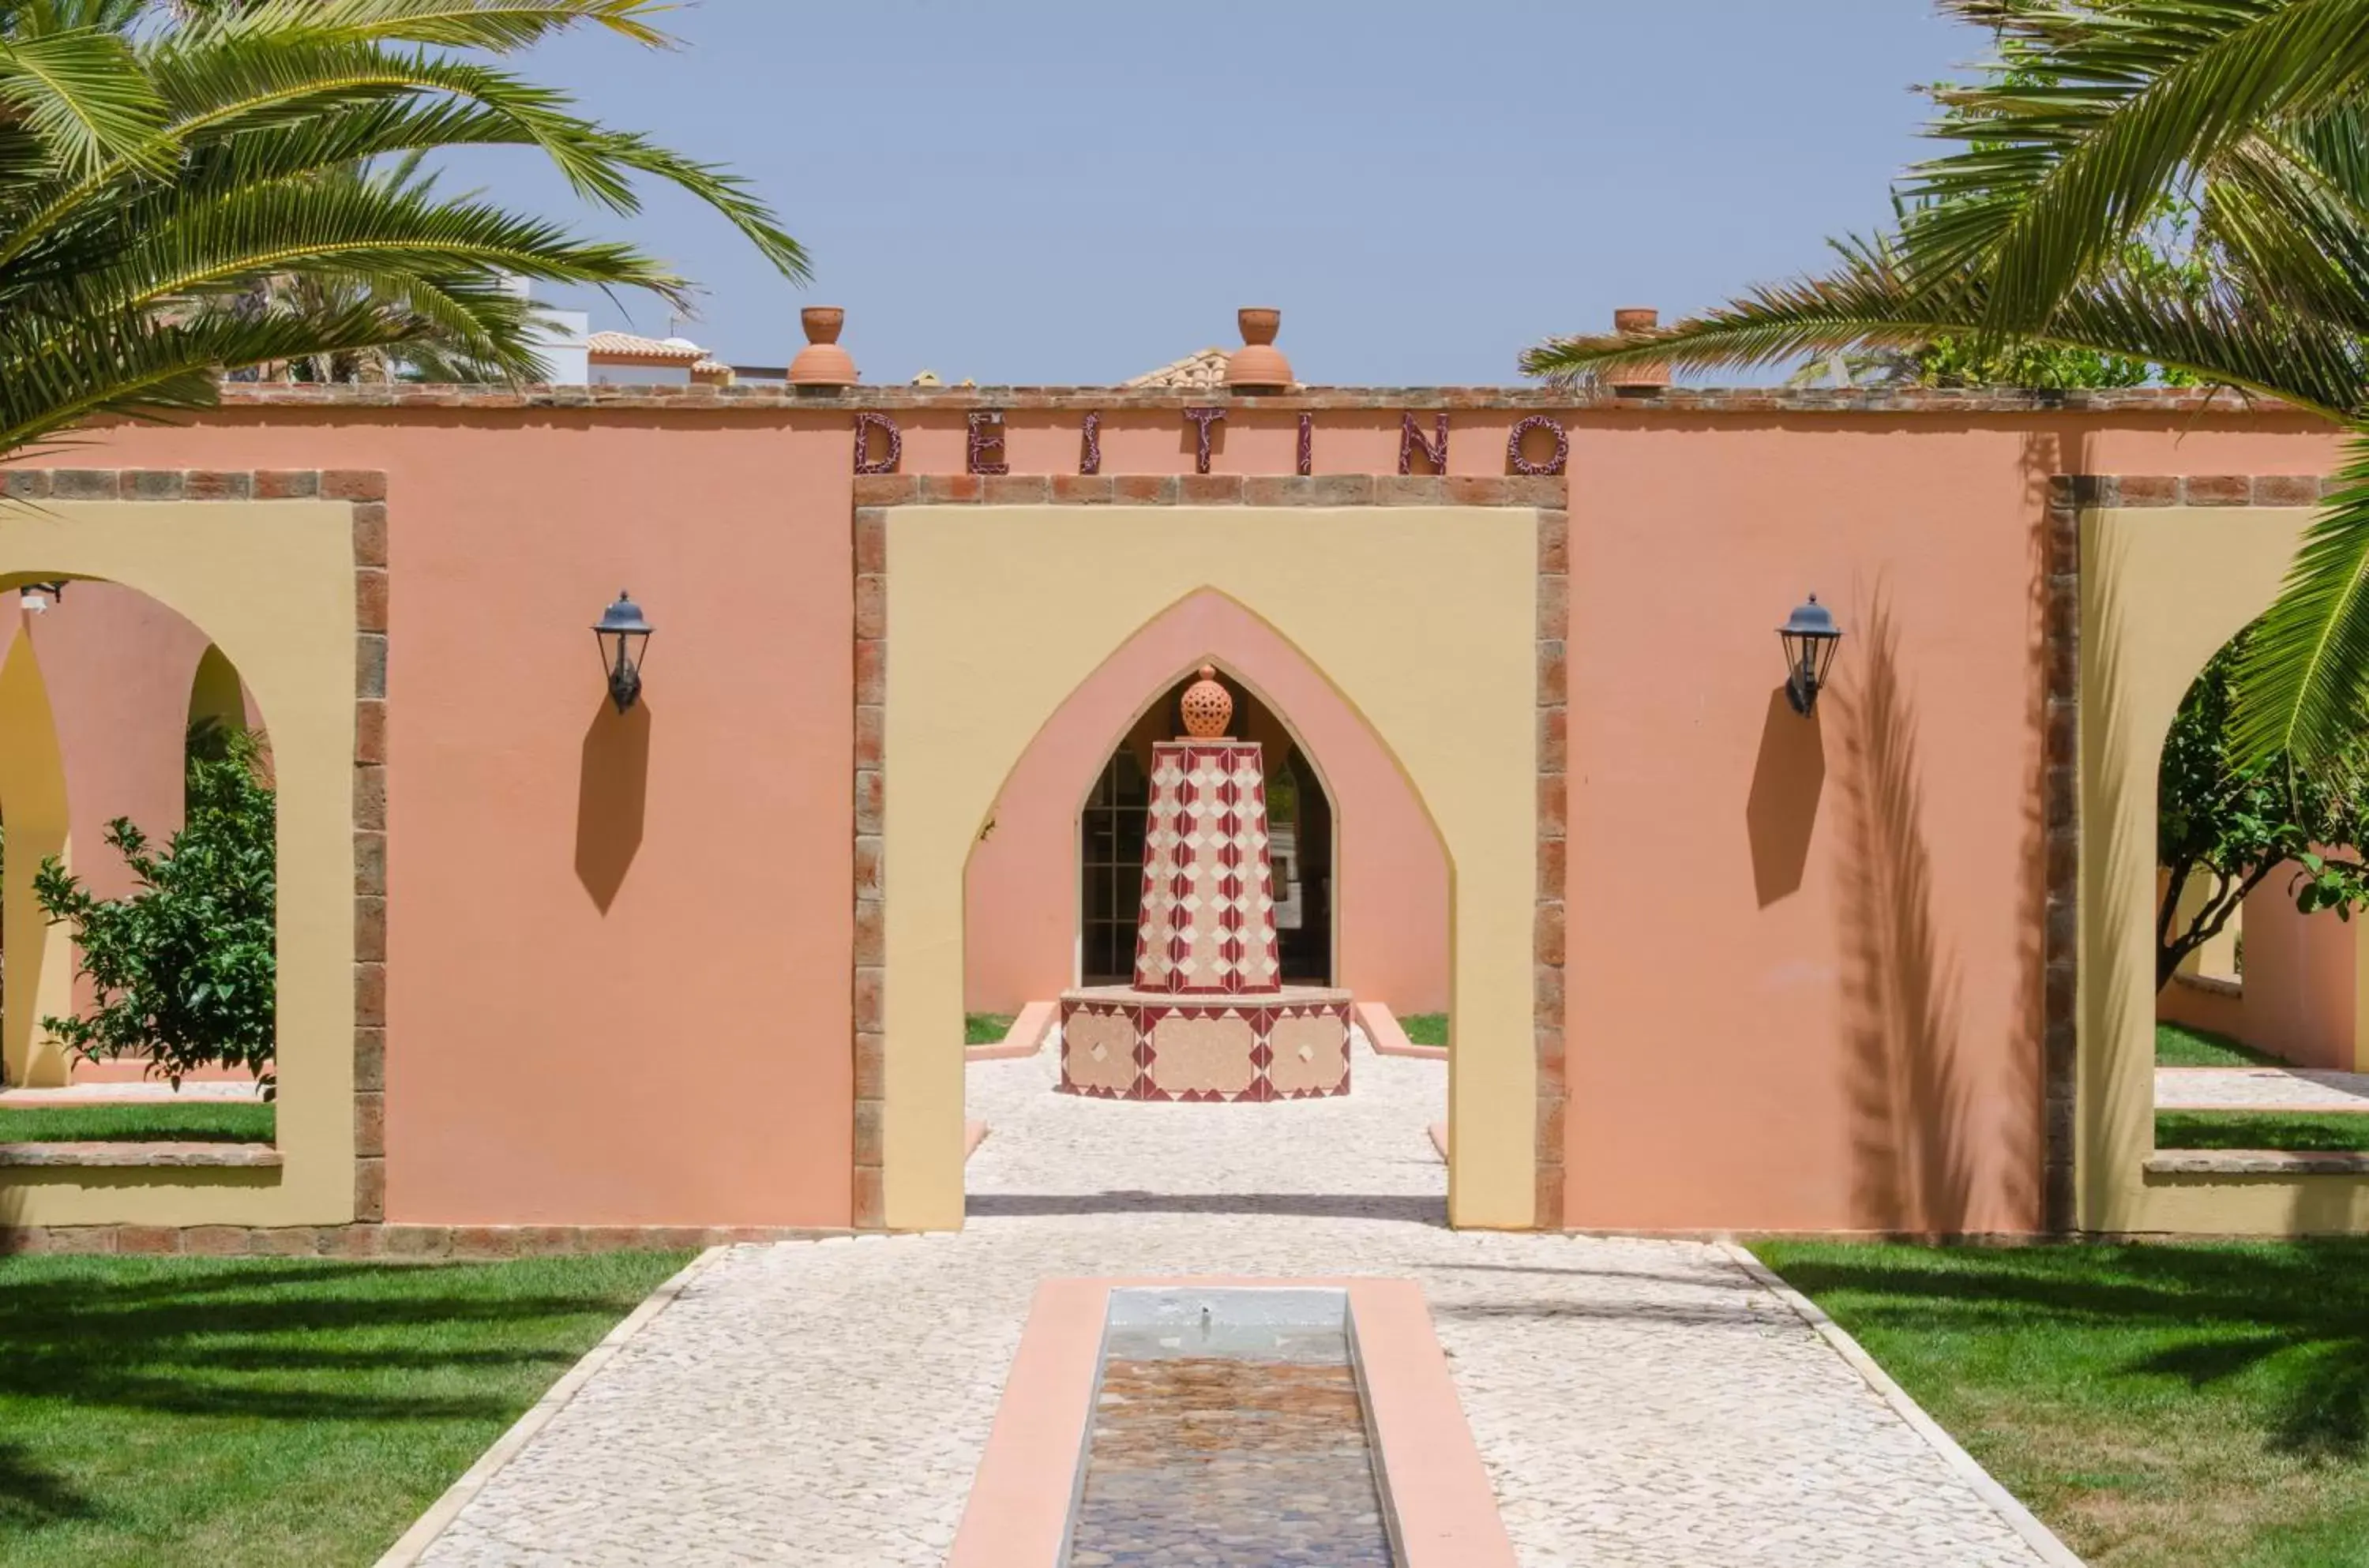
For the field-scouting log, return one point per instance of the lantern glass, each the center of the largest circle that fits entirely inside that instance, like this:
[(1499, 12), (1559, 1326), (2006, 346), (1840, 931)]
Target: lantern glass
[(1810, 639), (623, 638)]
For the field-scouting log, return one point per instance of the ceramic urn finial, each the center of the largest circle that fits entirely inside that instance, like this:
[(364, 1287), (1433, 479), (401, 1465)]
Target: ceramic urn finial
[(1208, 706), (1258, 365), (1638, 321), (822, 362)]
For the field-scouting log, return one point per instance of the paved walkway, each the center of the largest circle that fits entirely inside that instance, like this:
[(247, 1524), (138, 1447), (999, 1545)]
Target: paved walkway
[(2259, 1089), (824, 1403)]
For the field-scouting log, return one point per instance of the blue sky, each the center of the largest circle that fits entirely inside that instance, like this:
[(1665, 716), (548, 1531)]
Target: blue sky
[(1077, 190)]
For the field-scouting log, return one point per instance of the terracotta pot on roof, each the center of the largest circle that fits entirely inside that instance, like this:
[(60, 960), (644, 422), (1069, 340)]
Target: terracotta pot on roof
[(1258, 365), (1637, 321), (822, 362)]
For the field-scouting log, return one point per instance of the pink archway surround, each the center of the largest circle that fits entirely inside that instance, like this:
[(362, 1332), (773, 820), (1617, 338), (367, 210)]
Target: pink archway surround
[(1390, 878), (118, 666)]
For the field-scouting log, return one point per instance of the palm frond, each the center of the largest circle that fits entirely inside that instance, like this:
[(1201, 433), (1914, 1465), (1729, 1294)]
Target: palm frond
[(81, 95), (2053, 179), (492, 26), (52, 379), (309, 91), (189, 187), (1868, 303), (2303, 682)]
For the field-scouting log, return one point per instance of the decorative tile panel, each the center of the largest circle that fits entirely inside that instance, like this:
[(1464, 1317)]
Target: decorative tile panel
[(1098, 1050), (1123, 1043), (1208, 887), (1193, 1052), (1308, 1051)]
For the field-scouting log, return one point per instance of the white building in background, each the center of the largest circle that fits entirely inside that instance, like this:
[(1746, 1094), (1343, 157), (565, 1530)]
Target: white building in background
[(562, 338), (622, 357)]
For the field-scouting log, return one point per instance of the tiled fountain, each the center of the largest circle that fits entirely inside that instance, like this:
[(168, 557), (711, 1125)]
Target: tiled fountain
[(1207, 1017)]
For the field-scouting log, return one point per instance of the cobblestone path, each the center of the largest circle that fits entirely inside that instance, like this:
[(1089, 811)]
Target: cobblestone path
[(1637, 1402)]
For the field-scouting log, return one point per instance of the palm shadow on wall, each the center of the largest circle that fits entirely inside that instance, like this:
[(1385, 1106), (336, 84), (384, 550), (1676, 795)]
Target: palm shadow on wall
[(1911, 1167), (612, 796)]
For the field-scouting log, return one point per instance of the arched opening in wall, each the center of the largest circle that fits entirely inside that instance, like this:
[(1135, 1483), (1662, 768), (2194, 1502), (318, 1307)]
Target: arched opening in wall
[(217, 697), (1051, 885), (138, 874), (2256, 966), (1118, 875), (1110, 842)]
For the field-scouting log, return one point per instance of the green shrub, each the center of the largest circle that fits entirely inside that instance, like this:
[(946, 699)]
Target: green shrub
[(184, 969)]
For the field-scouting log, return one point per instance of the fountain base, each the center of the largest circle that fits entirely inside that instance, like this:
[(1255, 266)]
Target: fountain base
[(1122, 1044)]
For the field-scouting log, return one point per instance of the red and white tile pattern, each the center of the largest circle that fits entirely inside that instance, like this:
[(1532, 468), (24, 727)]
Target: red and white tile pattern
[(1135, 1045), (1208, 888)]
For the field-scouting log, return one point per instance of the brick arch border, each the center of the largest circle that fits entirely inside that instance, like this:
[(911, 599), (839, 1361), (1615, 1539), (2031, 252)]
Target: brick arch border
[(365, 491), (2069, 496), (875, 494)]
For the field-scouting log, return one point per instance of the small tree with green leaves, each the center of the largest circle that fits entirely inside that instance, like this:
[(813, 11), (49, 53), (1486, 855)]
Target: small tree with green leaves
[(183, 970), (2239, 824)]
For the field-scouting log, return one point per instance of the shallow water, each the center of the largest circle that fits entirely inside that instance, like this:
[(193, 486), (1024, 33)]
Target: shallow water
[(1248, 1457)]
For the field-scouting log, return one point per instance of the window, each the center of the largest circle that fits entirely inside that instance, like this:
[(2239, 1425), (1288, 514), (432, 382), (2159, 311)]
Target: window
[(1111, 863)]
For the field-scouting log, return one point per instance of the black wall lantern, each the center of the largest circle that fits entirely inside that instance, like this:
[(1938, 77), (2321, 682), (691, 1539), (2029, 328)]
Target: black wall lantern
[(623, 635), (1809, 636)]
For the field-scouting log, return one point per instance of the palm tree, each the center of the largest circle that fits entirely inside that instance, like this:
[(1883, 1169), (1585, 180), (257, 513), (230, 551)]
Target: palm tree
[(2037, 229), (188, 189), (434, 355)]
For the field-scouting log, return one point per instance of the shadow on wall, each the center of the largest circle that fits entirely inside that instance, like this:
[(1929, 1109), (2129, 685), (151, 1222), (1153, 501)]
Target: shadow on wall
[(612, 794), (1782, 811), (2118, 1043), (2038, 1185), (1900, 992)]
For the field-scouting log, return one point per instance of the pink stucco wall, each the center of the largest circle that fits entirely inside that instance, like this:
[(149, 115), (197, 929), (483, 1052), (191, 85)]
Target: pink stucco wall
[(1390, 881), (2297, 1001), (1804, 957), (1803, 982), (118, 666), (618, 950)]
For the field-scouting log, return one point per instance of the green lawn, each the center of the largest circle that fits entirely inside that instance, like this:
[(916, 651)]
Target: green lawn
[(2300, 1131), (261, 1412), (986, 1028), (2176, 1044), (191, 1121), (1426, 1028), (2165, 1406)]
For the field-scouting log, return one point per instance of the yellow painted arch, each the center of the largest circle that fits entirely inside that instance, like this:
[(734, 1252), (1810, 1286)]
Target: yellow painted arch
[(996, 614), (273, 584), (39, 959)]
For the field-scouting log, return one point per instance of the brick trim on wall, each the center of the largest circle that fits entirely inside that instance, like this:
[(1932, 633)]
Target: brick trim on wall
[(2211, 404), (869, 1205), (1553, 861), (364, 490), (2068, 497), (876, 493)]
